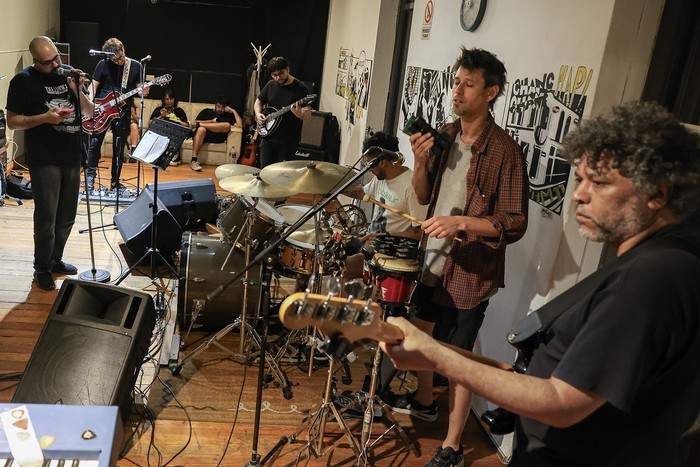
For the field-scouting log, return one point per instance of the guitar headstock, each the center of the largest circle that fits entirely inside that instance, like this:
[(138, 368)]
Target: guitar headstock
[(333, 315), (307, 100), (161, 80)]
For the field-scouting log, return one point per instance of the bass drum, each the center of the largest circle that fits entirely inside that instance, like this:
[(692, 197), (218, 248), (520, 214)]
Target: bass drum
[(201, 261)]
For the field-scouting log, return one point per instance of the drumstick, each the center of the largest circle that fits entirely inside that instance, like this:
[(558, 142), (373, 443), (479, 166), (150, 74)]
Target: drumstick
[(398, 211)]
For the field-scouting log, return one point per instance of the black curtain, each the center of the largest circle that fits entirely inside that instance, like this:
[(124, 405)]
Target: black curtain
[(202, 43)]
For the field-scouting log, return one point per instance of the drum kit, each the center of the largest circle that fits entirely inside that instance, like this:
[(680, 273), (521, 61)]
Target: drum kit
[(293, 239)]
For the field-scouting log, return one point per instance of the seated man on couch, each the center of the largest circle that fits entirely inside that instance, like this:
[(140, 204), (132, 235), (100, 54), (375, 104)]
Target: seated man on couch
[(213, 126)]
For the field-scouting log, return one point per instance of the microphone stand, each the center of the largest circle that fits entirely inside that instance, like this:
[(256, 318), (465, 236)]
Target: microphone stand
[(94, 274), (264, 301), (141, 109)]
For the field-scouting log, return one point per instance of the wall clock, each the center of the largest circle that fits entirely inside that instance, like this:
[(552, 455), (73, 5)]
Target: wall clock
[(471, 13)]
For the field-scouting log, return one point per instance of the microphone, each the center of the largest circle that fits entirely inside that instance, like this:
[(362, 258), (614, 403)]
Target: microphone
[(395, 157), (147, 58), (99, 53), (63, 70)]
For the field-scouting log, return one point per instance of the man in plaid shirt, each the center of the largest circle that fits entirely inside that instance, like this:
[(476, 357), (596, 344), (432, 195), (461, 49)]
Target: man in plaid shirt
[(477, 192)]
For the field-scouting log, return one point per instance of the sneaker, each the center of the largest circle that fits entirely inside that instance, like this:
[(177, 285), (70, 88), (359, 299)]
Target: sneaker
[(64, 268), (195, 166), (405, 403), (176, 161), (44, 280), (447, 457)]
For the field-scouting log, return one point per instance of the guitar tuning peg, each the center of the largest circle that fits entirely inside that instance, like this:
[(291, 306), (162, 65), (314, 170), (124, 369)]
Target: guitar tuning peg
[(367, 292), (353, 288), (333, 285)]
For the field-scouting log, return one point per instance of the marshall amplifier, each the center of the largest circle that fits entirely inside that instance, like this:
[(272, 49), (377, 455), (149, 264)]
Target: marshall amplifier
[(304, 153)]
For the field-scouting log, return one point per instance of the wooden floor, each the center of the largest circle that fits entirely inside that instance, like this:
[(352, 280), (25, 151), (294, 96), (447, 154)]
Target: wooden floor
[(24, 309)]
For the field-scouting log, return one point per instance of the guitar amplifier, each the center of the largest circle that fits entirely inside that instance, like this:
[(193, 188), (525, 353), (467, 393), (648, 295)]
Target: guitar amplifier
[(305, 153)]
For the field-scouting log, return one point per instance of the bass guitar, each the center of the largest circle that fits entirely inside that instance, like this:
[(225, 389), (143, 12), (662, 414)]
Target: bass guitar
[(250, 151), (107, 108), (273, 115)]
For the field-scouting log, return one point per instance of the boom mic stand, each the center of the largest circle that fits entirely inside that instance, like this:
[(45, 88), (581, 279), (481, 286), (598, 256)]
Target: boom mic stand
[(176, 134), (142, 105), (265, 255)]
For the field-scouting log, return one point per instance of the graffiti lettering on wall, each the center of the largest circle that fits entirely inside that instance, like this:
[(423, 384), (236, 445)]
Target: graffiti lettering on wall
[(540, 111), (352, 83), (428, 93)]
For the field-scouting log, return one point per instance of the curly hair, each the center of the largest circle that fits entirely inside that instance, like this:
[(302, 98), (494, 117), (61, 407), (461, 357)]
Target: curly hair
[(277, 64), (381, 139), (647, 145)]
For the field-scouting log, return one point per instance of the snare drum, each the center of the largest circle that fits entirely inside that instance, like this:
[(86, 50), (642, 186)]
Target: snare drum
[(201, 259), (265, 220), (395, 277)]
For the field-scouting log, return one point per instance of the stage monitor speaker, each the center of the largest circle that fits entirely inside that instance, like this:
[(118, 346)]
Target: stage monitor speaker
[(189, 201), (306, 153), (135, 222), (313, 130), (91, 347)]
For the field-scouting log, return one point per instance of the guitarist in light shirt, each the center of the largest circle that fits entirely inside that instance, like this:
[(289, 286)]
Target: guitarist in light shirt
[(113, 76), (284, 89)]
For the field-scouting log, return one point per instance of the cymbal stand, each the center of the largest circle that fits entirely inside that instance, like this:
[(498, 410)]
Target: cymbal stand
[(246, 328), (368, 419)]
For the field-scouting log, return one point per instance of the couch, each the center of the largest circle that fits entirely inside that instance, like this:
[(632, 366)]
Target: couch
[(210, 154)]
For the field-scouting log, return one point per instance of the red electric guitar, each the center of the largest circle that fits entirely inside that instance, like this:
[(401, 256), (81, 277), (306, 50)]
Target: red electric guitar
[(107, 108), (250, 152)]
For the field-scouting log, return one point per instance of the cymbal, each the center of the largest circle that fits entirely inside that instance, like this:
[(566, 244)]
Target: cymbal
[(230, 170), (313, 177), (253, 186)]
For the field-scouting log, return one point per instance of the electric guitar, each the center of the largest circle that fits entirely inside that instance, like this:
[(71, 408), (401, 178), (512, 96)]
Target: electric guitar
[(250, 151), (107, 108), (273, 115), (353, 320)]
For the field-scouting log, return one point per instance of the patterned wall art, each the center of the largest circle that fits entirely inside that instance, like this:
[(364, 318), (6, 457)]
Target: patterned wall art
[(352, 83)]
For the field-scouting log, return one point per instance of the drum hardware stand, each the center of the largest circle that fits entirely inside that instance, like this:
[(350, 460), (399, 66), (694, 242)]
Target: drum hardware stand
[(246, 328), (368, 419), (176, 134), (266, 258)]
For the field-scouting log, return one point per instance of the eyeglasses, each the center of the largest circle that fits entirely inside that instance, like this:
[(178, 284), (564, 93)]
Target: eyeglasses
[(278, 74), (116, 58), (56, 59)]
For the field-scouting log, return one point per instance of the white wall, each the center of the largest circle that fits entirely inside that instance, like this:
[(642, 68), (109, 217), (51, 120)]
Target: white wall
[(364, 30), (565, 61), (21, 21)]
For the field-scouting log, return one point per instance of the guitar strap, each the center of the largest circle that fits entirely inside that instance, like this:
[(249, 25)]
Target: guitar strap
[(125, 74)]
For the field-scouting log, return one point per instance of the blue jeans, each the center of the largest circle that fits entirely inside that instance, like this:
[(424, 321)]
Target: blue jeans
[(118, 142), (55, 189)]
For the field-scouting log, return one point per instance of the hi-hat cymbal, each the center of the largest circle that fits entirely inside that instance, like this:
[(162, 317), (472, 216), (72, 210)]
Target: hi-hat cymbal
[(313, 177), (231, 170), (253, 186)]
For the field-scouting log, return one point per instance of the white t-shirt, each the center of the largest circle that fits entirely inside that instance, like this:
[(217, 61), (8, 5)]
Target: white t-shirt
[(450, 202), (397, 193)]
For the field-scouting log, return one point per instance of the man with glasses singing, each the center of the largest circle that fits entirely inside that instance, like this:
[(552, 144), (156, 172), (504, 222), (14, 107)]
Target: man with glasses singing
[(113, 76), (43, 103), (282, 90)]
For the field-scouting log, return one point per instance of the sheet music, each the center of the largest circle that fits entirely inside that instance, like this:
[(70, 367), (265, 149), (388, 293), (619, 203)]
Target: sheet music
[(151, 147)]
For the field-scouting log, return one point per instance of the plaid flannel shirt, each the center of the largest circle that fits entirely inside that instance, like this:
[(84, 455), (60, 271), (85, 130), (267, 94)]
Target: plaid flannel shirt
[(497, 190)]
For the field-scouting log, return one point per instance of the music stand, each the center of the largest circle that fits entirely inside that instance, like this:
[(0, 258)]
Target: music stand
[(175, 134)]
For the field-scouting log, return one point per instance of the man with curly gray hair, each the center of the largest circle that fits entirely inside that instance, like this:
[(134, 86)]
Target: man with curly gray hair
[(613, 377)]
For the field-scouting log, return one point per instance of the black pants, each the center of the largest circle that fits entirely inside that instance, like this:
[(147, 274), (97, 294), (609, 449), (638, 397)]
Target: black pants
[(273, 151)]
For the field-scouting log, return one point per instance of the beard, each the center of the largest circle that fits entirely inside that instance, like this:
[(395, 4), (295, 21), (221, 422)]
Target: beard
[(616, 225)]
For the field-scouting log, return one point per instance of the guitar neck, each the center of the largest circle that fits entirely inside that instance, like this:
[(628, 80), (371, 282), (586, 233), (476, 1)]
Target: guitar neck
[(124, 97), (354, 320), (281, 111)]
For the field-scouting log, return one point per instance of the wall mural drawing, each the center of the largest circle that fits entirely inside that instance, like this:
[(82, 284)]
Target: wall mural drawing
[(540, 112), (352, 83)]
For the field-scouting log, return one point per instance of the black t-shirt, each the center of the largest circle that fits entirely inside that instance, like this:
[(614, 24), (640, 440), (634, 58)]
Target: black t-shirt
[(276, 96), (635, 339), (179, 113), (210, 114), (109, 75), (33, 93)]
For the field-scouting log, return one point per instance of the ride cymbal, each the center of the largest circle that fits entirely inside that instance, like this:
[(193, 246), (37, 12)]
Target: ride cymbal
[(231, 170), (255, 187), (312, 177)]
